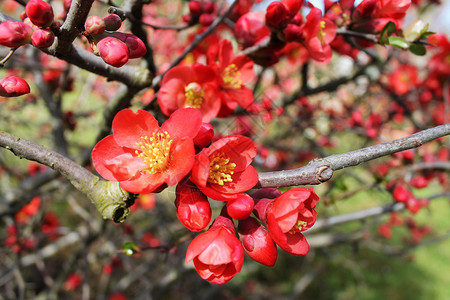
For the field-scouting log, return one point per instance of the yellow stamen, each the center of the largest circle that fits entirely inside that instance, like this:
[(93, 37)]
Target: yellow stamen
[(321, 34), (155, 152), (232, 77), (194, 95), (220, 169), (297, 227)]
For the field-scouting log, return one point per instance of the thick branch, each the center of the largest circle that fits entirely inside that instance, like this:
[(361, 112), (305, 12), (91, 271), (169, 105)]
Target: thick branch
[(107, 196), (321, 170)]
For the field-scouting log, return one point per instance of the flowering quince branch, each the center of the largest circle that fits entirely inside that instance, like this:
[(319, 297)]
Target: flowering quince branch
[(111, 201), (321, 170)]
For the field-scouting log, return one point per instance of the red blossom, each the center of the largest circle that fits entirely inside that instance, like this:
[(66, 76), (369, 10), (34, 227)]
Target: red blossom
[(403, 79), (241, 207), (223, 170), (217, 254), (190, 86), (318, 33), (73, 282), (25, 213), (288, 216), (143, 156), (250, 29), (232, 73)]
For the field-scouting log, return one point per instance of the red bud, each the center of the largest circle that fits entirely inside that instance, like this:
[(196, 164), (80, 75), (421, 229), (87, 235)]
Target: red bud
[(94, 25), (42, 38), (13, 86), (257, 242), (112, 22), (39, 12), (14, 34), (113, 51), (241, 207)]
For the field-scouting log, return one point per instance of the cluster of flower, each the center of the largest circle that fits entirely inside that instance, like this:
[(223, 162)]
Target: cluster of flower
[(145, 157), (115, 48), (36, 28), (201, 12), (285, 26)]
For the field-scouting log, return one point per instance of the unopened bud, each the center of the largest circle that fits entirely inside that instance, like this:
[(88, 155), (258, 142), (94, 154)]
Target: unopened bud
[(113, 51), (13, 86), (14, 34), (241, 207), (42, 38), (112, 22), (94, 25), (40, 13)]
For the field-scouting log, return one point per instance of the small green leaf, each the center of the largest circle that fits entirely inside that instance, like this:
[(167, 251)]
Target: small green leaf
[(398, 42), (417, 49), (426, 34), (130, 248), (387, 31)]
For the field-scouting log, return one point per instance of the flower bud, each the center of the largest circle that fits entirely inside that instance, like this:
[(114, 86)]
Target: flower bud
[(112, 22), (13, 86), (42, 38), (14, 34), (136, 47), (113, 51), (94, 25), (193, 209), (195, 7), (204, 135), (257, 242), (401, 194), (205, 19), (39, 12), (241, 207), (276, 14), (209, 7)]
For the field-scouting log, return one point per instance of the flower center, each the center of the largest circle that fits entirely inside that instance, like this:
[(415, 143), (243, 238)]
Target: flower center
[(297, 227), (232, 77), (194, 95), (220, 169), (155, 152), (321, 34)]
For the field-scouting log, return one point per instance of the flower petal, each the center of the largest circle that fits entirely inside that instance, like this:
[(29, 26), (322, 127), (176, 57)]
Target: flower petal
[(184, 122), (128, 127)]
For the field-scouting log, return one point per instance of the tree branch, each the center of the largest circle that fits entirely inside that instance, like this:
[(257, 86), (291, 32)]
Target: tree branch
[(321, 170), (112, 202)]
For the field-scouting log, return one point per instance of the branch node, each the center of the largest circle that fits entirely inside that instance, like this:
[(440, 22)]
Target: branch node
[(325, 173)]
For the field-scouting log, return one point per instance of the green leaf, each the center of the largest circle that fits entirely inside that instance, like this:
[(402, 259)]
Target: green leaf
[(130, 248), (387, 31), (417, 49), (398, 42), (426, 34)]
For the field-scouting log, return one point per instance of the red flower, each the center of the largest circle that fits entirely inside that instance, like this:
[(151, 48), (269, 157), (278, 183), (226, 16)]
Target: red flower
[(73, 282), (403, 79), (94, 25), (143, 156), (13, 86), (318, 32), (223, 170), (193, 209), (250, 29), (190, 86), (290, 214), (14, 34), (233, 73), (217, 254)]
